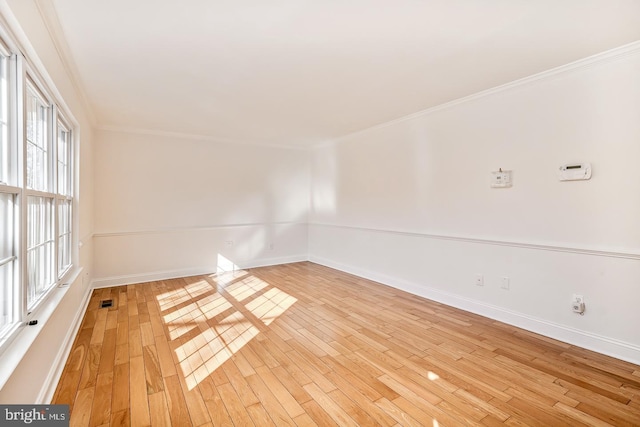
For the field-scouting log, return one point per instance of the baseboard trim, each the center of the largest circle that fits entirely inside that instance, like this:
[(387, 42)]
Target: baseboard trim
[(130, 279), (55, 373), (600, 344)]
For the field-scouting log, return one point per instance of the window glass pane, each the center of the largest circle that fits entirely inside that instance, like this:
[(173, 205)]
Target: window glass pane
[(6, 225), (64, 156), (4, 133), (64, 237), (63, 217), (7, 316), (37, 146), (7, 284), (40, 246)]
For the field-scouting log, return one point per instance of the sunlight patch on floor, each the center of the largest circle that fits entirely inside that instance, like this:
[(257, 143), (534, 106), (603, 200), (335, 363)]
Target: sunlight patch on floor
[(171, 299), (216, 341), (223, 278), (185, 319), (246, 288), (203, 354), (225, 265), (270, 305)]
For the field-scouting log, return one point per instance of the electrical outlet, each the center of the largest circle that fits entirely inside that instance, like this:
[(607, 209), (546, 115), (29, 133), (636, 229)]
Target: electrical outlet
[(505, 283), (271, 246), (479, 280), (228, 242), (577, 305)]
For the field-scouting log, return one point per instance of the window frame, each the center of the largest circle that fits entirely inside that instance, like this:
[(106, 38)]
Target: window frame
[(22, 80), (10, 183)]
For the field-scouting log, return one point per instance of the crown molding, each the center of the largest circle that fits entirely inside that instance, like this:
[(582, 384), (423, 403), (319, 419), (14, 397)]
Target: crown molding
[(49, 16), (584, 63), (196, 137), (21, 45)]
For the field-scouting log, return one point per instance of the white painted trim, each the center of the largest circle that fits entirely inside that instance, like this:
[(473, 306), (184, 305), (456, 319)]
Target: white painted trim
[(265, 262), (604, 345), (590, 61), (627, 254), (51, 382), (19, 344), (51, 21), (107, 282), (21, 41), (152, 276), (195, 137), (101, 234)]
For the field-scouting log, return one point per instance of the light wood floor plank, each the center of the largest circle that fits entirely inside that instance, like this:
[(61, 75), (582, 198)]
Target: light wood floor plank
[(402, 417), (138, 393), (82, 408), (101, 408), (266, 397), (176, 402), (301, 344), (288, 402), (259, 415), (336, 413), (318, 415), (215, 406), (234, 406), (158, 408)]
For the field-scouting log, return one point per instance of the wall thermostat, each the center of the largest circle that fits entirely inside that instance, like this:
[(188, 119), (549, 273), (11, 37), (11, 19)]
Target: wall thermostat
[(500, 179), (574, 172)]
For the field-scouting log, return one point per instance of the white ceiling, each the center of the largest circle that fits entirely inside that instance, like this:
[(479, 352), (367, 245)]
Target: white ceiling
[(299, 72)]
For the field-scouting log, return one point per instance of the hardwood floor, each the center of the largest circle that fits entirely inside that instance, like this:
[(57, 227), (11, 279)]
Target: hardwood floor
[(302, 344)]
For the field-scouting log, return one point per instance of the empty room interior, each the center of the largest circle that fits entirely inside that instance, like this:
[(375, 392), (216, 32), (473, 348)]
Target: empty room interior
[(321, 213)]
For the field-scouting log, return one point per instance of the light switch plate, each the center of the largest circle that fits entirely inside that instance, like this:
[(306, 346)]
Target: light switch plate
[(501, 179)]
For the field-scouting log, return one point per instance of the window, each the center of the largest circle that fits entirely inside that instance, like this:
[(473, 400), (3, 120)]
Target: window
[(36, 192), (40, 224)]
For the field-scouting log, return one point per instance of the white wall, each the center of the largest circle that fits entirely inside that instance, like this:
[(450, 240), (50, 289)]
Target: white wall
[(409, 203), (168, 206), (34, 379), (406, 203)]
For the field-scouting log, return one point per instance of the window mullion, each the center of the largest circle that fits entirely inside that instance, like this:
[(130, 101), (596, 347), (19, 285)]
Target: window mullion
[(41, 244), (21, 177), (36, 193), (53, 181), (7, 260)]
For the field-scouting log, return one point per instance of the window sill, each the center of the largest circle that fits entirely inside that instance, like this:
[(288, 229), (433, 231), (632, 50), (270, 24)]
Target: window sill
[(18, 345)]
